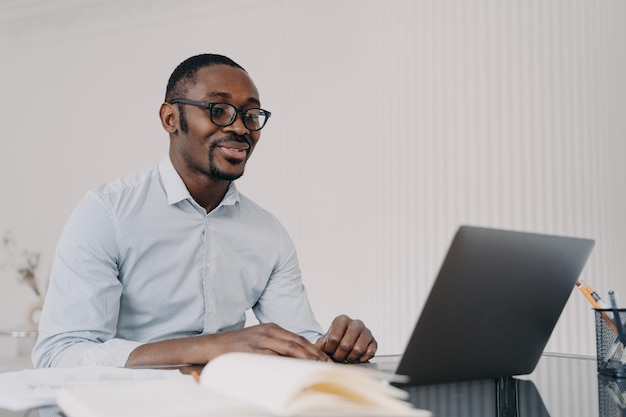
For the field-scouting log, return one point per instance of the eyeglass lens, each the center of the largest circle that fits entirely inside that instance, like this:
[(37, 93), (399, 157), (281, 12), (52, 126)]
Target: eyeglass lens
[(224, 114)]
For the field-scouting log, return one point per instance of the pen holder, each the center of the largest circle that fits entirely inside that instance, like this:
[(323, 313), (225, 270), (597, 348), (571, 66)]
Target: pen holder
[(610, 341), (611, 396)]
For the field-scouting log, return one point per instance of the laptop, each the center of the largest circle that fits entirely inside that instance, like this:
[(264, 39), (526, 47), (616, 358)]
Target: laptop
[(493, 306)]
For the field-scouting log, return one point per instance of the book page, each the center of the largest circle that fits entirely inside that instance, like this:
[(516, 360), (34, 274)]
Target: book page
[(286, 385), (238, 384)]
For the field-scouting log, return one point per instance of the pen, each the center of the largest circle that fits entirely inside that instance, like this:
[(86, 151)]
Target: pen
[(597, 303), (173, 366), (616, 317)]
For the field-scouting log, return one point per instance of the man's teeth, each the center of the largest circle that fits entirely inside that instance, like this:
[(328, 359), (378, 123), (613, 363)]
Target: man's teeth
[(236, 150)]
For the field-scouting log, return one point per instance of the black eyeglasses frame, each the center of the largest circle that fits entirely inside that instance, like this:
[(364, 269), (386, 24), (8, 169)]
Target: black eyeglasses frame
[(209, 106)]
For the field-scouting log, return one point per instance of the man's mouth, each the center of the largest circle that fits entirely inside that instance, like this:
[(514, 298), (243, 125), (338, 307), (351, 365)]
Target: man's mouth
[(234, 150)]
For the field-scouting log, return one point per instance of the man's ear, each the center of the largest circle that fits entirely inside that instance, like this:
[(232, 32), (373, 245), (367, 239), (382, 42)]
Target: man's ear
[(169, 117)]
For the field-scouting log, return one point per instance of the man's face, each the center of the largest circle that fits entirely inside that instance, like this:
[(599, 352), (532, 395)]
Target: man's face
[(208, 149)]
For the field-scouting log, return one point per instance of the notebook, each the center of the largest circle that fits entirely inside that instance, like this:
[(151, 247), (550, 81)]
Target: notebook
[(493, 306)]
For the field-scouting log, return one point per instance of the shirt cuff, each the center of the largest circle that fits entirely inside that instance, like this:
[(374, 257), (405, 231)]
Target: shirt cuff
[(113, 352)]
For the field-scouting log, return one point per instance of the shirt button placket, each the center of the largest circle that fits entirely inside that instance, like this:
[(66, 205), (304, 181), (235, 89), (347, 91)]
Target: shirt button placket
[(208, 275)]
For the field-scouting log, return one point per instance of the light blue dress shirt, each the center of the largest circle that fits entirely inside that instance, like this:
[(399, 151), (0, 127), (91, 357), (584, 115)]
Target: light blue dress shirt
[(140, 261)]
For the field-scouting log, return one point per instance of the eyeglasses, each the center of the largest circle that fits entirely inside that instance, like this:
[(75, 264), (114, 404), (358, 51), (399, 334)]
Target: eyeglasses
[(224, 114)]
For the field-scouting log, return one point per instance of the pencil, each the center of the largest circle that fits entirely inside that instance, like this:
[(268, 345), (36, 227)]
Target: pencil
[(588, 295), (617, 319), (195, 376)]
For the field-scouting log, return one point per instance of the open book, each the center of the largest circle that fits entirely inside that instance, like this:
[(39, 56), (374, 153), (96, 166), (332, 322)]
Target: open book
[(247, 384)]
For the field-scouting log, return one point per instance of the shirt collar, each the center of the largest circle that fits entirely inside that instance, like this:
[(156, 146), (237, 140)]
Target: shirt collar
[(177, 191)]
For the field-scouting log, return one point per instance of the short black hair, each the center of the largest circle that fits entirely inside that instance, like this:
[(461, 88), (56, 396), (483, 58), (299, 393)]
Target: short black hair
[(185, 73)]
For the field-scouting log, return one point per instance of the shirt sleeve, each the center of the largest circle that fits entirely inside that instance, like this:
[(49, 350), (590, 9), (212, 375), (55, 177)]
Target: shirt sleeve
[(284, 300), (79, 319)]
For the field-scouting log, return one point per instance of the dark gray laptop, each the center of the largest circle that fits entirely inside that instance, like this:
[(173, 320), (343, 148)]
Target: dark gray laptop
[(493, 305)]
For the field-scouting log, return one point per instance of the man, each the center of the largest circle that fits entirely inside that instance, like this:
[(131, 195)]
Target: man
[(159, 267)]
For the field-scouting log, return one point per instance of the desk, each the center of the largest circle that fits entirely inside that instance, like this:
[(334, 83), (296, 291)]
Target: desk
[(561, 385)]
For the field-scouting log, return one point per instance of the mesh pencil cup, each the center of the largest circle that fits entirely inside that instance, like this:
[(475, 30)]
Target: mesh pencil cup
[(610, 342), (611, 396)]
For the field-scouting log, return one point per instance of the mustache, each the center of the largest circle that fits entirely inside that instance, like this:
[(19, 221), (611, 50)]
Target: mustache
[(232, 138)]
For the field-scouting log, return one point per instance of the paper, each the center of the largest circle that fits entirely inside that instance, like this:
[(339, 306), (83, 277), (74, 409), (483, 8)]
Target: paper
[(277, 383), (245, 384), (39, 387), (168, 398)]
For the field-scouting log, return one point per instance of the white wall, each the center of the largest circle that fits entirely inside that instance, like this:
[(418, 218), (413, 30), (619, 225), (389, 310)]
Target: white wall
[(393, 122)]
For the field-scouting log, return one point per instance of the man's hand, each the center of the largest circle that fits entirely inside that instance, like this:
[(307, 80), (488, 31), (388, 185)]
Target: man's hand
[(348, 340), (268, 339)]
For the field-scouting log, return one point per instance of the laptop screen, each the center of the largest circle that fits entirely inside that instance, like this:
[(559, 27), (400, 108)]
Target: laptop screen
[(493, 306)]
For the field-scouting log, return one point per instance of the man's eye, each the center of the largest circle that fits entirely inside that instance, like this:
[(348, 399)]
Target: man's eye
[(217, 111)]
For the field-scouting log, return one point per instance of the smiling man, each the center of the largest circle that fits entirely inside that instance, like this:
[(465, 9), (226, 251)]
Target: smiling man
[(159, 267)]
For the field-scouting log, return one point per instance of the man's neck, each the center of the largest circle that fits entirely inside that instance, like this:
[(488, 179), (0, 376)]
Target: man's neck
[(207, 192)]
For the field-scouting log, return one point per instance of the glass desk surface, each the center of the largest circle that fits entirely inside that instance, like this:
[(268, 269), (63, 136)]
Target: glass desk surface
[(561, 385)]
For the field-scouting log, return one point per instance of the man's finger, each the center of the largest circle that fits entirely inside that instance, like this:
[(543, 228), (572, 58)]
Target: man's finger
[(286, 343), (364, 348)]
